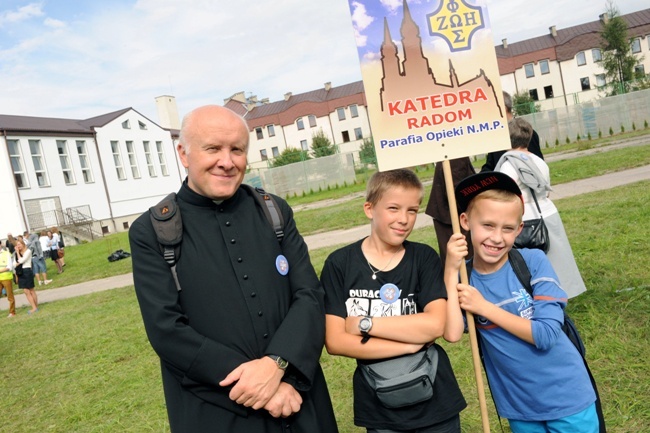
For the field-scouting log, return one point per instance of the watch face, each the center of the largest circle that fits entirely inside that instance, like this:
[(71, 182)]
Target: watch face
[(365, 324)]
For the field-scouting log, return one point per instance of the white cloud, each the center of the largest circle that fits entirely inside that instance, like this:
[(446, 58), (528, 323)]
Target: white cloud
[(361, 20), (54, 24), (391, 5), (21, 14)]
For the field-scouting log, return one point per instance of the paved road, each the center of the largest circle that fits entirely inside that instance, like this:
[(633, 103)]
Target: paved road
[(338, 237)]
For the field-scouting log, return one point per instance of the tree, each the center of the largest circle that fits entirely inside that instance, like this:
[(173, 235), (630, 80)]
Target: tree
[(367, 153), (289, 156), (321, 145), (617, 57), (523, 103)]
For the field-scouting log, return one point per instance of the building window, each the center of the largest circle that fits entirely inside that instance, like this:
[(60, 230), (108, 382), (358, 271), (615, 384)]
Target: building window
[(358, 134), (596, 55), (346, 136), (161, 158), (263, 155), (639, 71), (548, 92), (149, 159), (341, 113), (636, 45), (530, 71), (142, 126), (259, 133), (600, 80), (304, 145), (133, 160), (117, 160), (581, 58), (271, 130), (126, 124), (312, 121), (584, 83), (300, 124), (39, 163), (354, 111), (533, 94), (83, 162), (543, 67), (275, 152), (64, 159), (125, 225), (17, 164)]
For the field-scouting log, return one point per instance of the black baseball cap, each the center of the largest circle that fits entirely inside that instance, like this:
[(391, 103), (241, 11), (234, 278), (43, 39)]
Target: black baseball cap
[(475, 184)]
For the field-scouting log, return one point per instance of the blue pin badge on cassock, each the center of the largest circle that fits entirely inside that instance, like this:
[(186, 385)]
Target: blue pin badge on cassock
[(282, 265)]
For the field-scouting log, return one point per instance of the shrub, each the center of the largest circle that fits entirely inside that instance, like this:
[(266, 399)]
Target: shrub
[(321, 145)]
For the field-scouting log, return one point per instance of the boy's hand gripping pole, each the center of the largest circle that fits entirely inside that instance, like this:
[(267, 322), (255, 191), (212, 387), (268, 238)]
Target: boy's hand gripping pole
[(476, 359)]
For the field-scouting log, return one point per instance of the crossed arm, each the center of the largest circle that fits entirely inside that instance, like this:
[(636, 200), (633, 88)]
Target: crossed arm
[(391, 336)]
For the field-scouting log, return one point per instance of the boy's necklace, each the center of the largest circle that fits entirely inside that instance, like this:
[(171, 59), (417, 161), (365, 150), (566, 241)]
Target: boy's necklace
[(374, 273)]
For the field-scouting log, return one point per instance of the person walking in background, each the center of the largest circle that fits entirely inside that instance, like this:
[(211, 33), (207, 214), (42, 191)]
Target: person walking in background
[(53, 247), (438, 206), (385, 298), (39, 267), (10, 243), (240, 337), (43, 239), (559, 253), (6, 278), (59, 237), (533, 145), (23, 269)]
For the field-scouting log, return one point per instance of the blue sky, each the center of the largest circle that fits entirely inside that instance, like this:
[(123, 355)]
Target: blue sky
[(83, 58)]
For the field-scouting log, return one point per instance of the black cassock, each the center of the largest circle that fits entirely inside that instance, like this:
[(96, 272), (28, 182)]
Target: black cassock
[(235, 306)]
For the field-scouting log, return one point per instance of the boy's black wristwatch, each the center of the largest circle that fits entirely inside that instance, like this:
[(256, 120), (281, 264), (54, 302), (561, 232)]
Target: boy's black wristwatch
[(365, 325)]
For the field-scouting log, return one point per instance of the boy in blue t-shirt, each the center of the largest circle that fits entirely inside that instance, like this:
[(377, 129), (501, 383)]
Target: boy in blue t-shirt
[(536, 375)]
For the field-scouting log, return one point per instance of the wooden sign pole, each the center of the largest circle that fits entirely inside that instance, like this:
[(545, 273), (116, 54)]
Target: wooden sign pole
[(464, 278)]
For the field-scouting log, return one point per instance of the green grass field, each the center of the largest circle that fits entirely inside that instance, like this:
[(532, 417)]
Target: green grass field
[(85, 365)]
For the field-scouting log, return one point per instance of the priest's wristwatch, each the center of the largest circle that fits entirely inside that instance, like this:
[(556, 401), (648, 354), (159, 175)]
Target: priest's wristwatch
[(365, 325), (279, 361)]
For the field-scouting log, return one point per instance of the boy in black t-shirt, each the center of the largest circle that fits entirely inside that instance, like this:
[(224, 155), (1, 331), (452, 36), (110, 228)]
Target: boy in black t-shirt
[(393, 290)]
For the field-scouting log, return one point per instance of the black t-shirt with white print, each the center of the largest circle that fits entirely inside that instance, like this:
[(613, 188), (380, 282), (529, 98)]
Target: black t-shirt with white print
[(406, 289)]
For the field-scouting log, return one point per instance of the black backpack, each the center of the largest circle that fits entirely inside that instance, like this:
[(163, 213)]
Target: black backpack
[(522, 272), (168, 225)]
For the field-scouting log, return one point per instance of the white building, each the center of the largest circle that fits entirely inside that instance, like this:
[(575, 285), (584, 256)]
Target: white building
[(562, 67), (339, 112), (88, 177)]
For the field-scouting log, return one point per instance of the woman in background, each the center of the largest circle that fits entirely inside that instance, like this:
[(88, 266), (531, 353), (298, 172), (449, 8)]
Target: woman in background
[(53, 246), (23, 269)]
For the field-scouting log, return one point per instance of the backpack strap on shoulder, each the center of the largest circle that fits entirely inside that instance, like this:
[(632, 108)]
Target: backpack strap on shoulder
[(520, 268), (270, 209), (168, 226)]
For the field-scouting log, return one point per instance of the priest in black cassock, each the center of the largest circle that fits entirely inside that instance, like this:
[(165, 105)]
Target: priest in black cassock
[(240, 343)]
